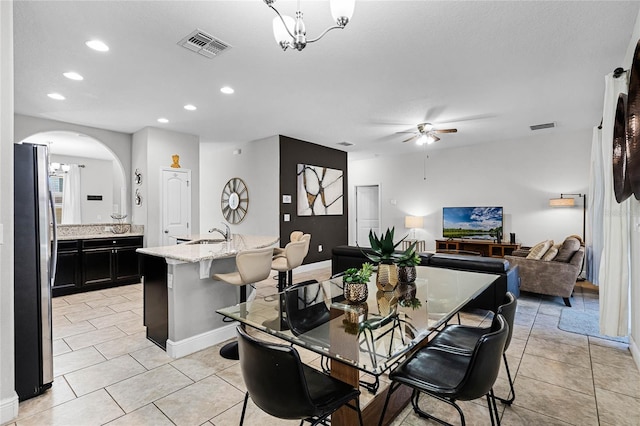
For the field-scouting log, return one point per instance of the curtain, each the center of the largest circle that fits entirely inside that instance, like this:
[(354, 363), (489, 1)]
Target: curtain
[(595, 208), (614, 272), (71, 197)]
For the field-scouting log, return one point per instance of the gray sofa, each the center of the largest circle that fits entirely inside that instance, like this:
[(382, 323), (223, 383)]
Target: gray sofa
[(549, 277)]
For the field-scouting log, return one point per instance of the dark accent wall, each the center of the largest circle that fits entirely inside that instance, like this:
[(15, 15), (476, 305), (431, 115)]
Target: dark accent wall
[(328, 231)]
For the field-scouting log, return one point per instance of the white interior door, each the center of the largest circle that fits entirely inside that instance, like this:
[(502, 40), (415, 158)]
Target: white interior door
[(176, 204), (367, 213)]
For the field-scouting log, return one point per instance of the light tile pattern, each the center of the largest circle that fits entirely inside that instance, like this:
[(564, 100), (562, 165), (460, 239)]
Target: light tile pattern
[(107, 372)]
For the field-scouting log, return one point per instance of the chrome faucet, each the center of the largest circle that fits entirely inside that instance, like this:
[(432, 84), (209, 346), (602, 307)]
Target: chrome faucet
[(226, 234)]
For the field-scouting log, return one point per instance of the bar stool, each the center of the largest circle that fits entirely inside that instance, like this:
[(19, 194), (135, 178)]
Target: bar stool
[(292, 257), (252, 266), (294, 236)]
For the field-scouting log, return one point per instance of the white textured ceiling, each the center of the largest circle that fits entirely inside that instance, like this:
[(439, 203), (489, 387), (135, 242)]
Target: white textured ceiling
[(491, 69)]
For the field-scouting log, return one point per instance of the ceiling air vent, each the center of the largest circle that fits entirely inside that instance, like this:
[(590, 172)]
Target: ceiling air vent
[(543, 126), (345, 143), (204, 44)]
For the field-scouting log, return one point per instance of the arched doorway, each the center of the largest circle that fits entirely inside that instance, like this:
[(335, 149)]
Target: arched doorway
[(96, 186)]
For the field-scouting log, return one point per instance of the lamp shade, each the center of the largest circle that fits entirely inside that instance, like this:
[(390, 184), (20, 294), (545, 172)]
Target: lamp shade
[(411, 222), (280, 32), (562, 202), (342, 9)]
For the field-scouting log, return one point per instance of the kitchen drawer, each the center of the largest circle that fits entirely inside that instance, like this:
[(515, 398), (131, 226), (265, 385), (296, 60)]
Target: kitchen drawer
[(113, 242), (68, 245)]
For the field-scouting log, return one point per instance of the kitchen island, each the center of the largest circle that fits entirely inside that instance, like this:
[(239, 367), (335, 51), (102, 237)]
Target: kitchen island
[(181, 298)]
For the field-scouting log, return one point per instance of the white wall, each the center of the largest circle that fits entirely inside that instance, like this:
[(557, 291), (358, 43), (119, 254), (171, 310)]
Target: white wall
[(258, 166), (153, 149), (96, 178), (118, 143), (519, 175), (8, 396)]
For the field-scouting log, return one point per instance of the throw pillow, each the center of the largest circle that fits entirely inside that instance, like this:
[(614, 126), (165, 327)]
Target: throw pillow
[(551, 253), (569, 247), (539, 250)]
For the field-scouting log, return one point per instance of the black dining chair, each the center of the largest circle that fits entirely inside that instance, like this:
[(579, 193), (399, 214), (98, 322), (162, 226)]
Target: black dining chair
[(464, 338), (305, 307), (453, 376), (282, 386)]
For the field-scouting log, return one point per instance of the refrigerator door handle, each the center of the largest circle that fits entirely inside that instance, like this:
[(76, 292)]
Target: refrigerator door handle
[(53, 265)]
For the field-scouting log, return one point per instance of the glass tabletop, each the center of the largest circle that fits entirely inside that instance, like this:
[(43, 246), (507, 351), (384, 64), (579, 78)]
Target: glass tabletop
[(372, 335)]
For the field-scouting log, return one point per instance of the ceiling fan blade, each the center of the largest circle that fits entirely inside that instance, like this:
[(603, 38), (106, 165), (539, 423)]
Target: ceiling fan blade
[(410, 139), (435, 138), (444, 130)]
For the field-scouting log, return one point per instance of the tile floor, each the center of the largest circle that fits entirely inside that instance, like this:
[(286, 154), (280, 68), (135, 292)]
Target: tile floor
[(107, 372)]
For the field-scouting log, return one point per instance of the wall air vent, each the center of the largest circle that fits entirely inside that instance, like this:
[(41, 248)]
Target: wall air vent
[(543, 126), (204, 44), (345, 143)]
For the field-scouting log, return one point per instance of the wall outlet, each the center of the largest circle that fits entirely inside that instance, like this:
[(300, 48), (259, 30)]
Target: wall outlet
[(287, 217), (319, 248), (169, 280)]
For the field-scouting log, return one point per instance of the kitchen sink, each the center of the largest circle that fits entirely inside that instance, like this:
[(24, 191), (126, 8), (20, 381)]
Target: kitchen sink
[(207, 241)]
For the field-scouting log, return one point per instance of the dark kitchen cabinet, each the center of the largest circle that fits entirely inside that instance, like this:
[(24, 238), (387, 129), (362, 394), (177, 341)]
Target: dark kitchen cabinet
[(110, 261), (68, 268)]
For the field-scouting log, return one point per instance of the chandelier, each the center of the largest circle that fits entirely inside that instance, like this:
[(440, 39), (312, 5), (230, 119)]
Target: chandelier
[(290, 32)]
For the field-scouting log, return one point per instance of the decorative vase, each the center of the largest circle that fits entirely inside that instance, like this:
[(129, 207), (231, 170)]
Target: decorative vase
[(407, 274), (387, 277), (355, 292)]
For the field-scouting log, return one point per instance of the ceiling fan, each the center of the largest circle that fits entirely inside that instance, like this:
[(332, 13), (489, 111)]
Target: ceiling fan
[(427, 134)]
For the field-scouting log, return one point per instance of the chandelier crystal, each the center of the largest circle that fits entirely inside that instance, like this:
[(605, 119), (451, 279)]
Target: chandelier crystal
[(290, 32)]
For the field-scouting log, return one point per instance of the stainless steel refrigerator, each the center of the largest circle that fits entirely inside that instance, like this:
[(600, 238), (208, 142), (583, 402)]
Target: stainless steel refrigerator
[(34, 269)]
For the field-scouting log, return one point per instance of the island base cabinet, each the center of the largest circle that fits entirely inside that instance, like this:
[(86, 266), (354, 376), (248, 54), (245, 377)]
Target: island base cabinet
[(68, 270), (156, 299)]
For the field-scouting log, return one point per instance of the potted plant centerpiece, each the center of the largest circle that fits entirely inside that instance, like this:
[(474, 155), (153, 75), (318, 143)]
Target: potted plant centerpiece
[(407, 265), (355, 283), (385, 256)]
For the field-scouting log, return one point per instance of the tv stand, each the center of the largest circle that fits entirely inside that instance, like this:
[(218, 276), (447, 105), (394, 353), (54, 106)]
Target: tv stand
[(487, 248)]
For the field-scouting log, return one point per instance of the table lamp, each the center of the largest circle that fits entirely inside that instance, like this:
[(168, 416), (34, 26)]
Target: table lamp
[(413, 222)]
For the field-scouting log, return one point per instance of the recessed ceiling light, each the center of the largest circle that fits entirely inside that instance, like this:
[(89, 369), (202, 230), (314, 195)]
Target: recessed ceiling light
[(190, 107), (227, 90), (162, 120), (97, 45), (56, 96), (71, 75)]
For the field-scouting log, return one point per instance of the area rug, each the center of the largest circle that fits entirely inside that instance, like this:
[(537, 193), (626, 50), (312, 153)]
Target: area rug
[(584, 322)]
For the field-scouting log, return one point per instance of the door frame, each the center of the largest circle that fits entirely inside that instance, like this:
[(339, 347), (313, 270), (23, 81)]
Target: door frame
[(162, 192), (355, 202)]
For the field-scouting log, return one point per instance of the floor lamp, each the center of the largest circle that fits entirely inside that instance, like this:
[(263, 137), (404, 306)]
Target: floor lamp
[(571, 202)]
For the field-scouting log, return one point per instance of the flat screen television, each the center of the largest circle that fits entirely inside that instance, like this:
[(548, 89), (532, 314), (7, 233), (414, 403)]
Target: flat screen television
[(471, 222)]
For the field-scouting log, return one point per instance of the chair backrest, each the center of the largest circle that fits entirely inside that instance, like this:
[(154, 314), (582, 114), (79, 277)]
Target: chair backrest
[(508, 311), (485, 363), (274, 379), (305, 307), (307, 239), (295, 236), (254, 265), (295, 253)]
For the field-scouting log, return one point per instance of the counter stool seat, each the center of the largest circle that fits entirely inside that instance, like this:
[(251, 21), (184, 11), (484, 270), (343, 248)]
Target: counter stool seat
[(292, 257), (252, 266)]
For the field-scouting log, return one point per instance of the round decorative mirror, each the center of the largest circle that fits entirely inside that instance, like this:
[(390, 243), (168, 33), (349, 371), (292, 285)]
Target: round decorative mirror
[(234, 201)]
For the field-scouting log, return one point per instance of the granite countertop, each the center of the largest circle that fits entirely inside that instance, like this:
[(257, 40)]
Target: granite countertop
[(191, 253), (97, 230)]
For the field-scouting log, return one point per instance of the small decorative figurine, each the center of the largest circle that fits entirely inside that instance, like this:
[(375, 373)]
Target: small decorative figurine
[(176, 161)]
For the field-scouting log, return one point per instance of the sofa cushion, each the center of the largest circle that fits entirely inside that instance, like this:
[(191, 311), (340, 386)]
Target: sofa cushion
[(569, 247), (539, 250), (551, 253)]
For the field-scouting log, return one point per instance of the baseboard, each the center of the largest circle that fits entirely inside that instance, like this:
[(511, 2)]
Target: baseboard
[(201, 341), (635, 351), (9, 409)]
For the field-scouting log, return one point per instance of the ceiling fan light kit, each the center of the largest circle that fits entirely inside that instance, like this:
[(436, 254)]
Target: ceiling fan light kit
[(426, 134), (290, 32)]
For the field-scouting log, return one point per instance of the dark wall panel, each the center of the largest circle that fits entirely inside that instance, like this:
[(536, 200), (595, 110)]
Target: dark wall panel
[(328, 231)]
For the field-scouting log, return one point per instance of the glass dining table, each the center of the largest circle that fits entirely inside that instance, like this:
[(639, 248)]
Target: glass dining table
[(368, 337)]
